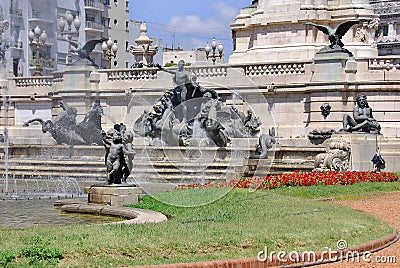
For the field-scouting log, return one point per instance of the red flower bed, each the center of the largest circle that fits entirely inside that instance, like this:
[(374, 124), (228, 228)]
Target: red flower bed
[(302, 179)]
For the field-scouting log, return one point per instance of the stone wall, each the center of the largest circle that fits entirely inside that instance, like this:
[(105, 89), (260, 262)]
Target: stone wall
[(282, 94)]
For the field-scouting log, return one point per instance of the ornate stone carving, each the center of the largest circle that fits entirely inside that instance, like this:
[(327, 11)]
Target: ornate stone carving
[(366, 32), (336, 158)]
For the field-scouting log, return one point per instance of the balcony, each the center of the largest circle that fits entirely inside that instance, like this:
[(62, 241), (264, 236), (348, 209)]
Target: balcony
[(94, 5), (94, 26)]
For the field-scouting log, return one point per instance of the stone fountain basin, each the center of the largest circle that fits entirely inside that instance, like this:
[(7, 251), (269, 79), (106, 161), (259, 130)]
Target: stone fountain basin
[(132, 215)]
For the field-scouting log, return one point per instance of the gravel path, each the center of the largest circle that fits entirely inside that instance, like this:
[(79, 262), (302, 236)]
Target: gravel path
[(387, 208)]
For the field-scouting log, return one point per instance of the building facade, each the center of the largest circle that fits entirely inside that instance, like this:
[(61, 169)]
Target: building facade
[(98, 19), (118, 27), (388, 33)]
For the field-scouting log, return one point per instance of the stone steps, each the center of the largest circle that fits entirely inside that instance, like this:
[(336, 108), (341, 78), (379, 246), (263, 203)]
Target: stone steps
[(145, 171), (155, 164)]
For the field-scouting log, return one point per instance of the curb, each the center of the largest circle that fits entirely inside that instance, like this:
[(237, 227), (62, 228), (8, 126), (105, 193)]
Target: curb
[(133, 215), (321, 257)]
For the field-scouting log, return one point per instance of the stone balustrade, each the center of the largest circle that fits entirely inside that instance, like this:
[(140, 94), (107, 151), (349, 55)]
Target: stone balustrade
[(209, 71), (130, 74), (58, 77), (275, 69), (384, 64), (33, 81), (378, 64)]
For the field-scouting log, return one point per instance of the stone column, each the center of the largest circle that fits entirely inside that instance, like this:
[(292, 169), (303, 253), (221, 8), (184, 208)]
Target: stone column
[(391, 32)]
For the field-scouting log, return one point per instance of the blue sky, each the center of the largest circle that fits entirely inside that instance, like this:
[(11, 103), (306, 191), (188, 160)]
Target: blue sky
[(188, 23)]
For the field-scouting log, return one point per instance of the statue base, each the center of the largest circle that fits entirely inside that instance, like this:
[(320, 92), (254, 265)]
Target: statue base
[(77, 75), (363, 148), (333, 65), (114, 194)]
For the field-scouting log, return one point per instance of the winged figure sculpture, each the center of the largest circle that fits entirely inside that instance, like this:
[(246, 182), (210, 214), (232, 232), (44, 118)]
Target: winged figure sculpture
[(335, 34), (85, 50)]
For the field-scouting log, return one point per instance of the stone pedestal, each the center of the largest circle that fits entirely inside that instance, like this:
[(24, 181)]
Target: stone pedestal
[(333, 66), (114, 195), (77, 76), (363, 148)]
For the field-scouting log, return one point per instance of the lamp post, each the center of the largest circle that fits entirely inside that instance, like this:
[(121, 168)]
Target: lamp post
[(38, 38), (214, 47), (110, 50), (69, 20)]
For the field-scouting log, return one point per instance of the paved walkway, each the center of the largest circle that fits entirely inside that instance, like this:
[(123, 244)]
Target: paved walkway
[(387, 208)]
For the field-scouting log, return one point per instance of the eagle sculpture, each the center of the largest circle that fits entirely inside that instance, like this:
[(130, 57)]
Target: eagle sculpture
[(85, 50), (335, 35)]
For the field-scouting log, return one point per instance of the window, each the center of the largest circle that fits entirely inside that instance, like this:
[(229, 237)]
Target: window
[(106, 22), (115, 21), (115, 63), (126, 45), (115, 2), (385, 30)]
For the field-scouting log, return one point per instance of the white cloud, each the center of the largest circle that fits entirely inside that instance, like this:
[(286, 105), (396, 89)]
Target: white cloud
[(194, 24)]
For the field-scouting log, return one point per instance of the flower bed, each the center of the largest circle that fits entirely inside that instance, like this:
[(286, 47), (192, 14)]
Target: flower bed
[(302, 179)]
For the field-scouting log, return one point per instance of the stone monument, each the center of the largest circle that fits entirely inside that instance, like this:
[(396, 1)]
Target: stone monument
[(353, 146), (179, 116), (333, 62), (77, 75), (273, 30)]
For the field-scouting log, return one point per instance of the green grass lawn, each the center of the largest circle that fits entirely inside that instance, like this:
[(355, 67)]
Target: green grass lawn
[(226, 224)]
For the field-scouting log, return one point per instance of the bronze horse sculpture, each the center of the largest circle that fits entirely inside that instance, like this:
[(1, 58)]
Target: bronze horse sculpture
[(65, 130)]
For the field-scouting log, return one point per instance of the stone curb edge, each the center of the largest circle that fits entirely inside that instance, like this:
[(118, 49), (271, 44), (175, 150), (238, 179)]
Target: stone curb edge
[(133, 215), (372, 246)]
